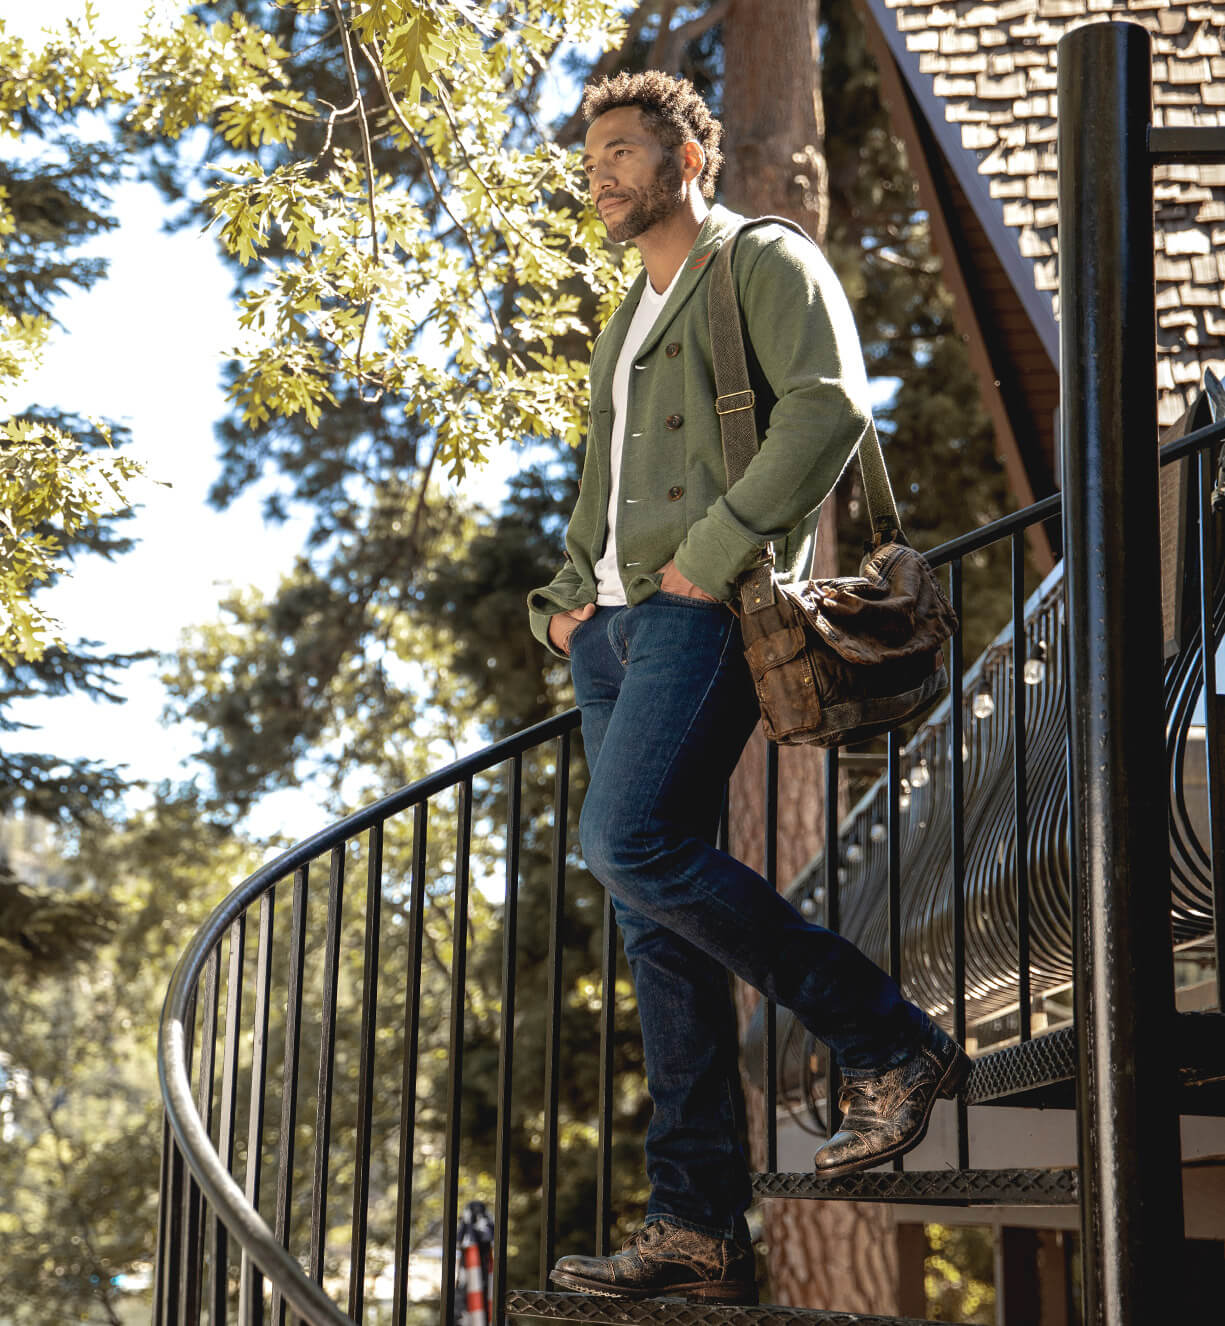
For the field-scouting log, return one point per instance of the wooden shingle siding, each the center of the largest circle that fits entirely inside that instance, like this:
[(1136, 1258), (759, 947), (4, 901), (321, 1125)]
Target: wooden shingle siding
[(990, 70)]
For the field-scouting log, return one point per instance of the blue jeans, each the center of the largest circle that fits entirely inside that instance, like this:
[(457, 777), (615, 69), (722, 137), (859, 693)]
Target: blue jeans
[(667, 707)]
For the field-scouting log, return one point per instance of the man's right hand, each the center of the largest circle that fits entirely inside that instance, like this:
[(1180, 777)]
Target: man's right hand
[(562, 625)]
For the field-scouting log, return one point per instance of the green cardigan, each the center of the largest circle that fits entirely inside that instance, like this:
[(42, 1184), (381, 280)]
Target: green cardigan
[(812, 392)]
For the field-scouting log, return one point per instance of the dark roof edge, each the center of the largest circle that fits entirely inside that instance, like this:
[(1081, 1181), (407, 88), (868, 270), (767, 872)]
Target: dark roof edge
[(990, 211)]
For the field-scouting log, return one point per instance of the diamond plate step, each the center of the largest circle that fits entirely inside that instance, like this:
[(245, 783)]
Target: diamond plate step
[(1042, 1062), (678, 1312), (1043, 1069), (942, 1187)]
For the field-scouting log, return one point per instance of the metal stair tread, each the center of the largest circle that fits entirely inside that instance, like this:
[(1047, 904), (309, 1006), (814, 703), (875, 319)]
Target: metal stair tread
[(944, 1187), (679, 1312), (1050, 1059), (1031, 1064)]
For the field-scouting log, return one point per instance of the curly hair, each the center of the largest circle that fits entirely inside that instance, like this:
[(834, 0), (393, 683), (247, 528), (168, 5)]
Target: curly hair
[(672, 108)]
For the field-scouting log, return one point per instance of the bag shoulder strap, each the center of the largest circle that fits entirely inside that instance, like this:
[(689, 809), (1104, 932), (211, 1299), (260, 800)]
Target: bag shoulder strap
[(735, 397)]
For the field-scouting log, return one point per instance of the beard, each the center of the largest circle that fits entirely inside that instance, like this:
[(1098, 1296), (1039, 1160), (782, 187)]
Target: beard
[(649, 206)]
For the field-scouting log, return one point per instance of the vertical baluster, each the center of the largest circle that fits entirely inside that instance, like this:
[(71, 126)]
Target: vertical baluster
[(770, 857), (894, 824), (833, 918), (194, 1246), (608, 1008), (365, 1074), (1020, 785), (408, 1083), (506, 1044), (251, 1281), (327, 1061), (561, 810), (169, 1282), (893, 783), (229, 1107), (289, 1074), (180, 1194), (164, 1248), (455, 1068), (1212, 707), (957, 843)]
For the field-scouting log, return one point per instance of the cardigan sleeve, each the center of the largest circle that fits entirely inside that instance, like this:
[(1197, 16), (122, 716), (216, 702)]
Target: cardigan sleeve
[(569, 588), (803, 335)]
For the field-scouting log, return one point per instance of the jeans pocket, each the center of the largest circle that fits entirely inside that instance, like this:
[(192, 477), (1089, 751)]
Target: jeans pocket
[(683, 600), (574, 633)]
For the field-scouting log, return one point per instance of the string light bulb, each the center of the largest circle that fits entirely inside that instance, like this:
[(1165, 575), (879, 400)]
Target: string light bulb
[(1034, 671), (921, 776), (983, 704)]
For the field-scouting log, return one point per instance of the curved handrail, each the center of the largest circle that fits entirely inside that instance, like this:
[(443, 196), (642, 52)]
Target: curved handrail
[(227, 1198)]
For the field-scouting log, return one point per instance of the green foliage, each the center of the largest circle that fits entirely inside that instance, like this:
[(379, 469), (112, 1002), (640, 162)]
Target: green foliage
[(395, 277), (78, 1091), (71, 69), (43, 932), (52, 485), (50, 488), (959, 1273)]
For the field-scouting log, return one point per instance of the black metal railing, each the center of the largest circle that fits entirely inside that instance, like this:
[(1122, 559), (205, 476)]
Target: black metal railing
[(983, 876), (209, 1192), (350, 1027), (950, 848)]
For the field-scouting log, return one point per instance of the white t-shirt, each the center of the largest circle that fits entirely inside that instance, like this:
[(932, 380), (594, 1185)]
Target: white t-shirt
[(609, 589)]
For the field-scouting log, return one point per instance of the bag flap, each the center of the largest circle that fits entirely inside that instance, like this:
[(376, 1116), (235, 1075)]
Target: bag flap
[(894, 609), (773, 648)]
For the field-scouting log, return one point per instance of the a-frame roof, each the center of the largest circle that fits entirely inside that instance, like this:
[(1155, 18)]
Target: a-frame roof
[(971, 88)]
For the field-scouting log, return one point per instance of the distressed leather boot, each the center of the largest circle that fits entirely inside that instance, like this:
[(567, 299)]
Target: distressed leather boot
[(887, 1115), (663, 1258)]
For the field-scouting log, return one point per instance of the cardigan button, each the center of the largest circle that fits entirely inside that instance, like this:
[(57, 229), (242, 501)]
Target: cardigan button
[(672, 349), (675, 494), (674, 420)]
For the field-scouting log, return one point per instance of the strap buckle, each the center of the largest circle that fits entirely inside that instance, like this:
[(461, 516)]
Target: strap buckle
[(735, 400), (885, 531)]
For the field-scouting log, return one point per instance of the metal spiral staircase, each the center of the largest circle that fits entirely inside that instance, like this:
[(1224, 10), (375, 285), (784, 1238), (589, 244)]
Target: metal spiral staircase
[(292, 1178)]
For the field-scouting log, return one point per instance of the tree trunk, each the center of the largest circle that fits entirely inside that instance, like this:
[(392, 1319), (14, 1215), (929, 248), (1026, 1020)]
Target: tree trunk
[(835, 1255), (772, 112)]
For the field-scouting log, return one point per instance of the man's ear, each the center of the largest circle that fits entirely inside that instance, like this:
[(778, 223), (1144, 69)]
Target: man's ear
[(693, 159)]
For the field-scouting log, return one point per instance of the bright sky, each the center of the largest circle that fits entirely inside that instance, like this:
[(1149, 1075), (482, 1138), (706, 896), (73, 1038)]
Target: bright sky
[(145, 349)]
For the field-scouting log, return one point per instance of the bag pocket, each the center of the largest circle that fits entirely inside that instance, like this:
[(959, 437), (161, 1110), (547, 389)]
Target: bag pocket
[(777, 656)]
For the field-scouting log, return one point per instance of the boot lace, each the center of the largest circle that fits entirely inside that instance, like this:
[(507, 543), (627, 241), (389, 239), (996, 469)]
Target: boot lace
[(866, 1090), (643, 1236)]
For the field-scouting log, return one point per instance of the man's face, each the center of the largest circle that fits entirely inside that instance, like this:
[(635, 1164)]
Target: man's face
[(635, 182)]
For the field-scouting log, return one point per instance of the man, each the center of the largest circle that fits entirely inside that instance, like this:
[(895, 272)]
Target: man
[(654, 547)]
